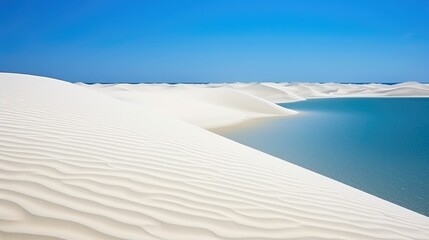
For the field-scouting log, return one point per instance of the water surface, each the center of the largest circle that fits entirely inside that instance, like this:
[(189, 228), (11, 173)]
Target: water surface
[(378, 145)]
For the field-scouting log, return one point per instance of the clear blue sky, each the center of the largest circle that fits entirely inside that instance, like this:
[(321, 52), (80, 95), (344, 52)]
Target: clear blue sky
[(217, 41)]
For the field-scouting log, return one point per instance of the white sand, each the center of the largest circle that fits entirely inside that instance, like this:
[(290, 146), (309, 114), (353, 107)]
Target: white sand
[(202, 105), (103, 162)]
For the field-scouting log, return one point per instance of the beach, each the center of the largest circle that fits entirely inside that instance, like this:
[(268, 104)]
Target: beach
[(136, 161)]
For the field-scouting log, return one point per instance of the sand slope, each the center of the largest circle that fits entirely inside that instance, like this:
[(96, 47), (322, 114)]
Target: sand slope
[(77, 164)]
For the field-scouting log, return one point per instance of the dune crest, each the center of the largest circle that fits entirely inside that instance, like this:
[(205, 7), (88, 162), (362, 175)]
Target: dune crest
[(80, 164)]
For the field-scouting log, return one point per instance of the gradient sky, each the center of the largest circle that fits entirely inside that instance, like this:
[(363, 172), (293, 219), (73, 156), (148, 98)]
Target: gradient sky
[(217, 41)]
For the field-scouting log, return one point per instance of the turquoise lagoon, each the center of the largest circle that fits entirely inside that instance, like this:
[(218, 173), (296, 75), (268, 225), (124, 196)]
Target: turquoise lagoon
[(378, 145)]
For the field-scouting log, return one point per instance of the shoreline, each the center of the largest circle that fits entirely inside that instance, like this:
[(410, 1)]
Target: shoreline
[(249, 123), (320, 140), (260, 120)]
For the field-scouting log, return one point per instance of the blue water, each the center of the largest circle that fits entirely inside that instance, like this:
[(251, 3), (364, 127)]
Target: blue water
[(378, 145)]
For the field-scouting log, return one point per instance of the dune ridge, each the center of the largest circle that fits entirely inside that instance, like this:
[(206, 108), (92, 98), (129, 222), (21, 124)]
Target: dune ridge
[(78, 164)]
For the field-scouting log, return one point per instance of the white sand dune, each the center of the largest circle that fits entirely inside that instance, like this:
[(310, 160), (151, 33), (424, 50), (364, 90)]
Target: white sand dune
[(267, 91), (207, 106), (79, 163)]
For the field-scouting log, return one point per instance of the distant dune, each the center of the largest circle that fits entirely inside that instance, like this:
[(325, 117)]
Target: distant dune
[(131, 162), (219, 105)]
